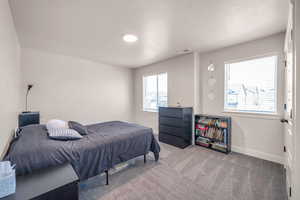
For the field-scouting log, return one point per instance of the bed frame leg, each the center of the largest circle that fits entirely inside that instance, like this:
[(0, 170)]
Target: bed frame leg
[(145, 158), (106, 173)]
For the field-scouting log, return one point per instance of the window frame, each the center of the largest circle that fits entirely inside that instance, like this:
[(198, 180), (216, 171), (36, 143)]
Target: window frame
[(157, 91), (247, 112)]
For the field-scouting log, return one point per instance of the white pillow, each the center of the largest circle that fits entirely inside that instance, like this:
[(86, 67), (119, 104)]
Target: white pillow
[(56, 123), (63, 134)]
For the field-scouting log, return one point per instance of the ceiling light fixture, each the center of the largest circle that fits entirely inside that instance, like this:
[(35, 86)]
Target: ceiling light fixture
[(130, 38)]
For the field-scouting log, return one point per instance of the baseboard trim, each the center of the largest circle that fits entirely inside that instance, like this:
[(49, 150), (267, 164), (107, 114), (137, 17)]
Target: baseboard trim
[(258, 154)]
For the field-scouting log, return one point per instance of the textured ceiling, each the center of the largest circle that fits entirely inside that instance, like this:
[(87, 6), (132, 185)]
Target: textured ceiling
[(93, 29)]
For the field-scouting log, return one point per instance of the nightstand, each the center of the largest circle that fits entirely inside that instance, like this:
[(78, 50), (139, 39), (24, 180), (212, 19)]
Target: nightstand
[(27, 118)]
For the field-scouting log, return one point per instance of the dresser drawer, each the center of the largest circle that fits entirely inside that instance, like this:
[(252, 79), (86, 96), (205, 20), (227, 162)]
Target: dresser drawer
[(170, 112), (175, 122), (173, 140), (180, 132)]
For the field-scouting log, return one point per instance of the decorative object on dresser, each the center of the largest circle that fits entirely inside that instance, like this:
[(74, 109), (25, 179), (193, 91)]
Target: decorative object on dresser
[(175, 125), (27, 118), (213, 132)]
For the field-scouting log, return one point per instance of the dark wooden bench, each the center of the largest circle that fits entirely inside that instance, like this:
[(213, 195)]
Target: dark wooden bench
[(50, 184)]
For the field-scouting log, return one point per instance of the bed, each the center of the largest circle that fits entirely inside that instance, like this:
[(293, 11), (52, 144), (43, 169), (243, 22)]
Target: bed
[(106, 145)]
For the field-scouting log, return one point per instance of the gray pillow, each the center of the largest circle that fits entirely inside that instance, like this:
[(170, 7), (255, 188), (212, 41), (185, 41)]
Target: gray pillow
[(82, 130), (63, 134)]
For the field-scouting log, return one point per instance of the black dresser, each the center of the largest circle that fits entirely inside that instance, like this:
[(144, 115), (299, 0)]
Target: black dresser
[(175, 125)]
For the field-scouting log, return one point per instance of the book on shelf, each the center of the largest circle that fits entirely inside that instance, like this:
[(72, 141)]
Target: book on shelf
[(203, 141), (218, 146), (212, 122), (211, 132), (225, 136)]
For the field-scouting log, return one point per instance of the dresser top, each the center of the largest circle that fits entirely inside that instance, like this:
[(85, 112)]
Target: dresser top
[(29, 113), (175, 107)]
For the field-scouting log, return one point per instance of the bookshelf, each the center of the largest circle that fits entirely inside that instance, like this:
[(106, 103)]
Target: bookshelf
[(213, 132)]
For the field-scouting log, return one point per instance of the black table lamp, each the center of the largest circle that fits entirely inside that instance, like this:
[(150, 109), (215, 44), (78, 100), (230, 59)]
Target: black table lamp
[(26, 104), (28, 117)]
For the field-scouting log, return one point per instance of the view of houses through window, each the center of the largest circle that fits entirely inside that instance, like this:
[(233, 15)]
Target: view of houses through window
[(250, 85), (155, 91)]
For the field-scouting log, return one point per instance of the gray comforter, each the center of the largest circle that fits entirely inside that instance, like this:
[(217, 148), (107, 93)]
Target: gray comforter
[(106, 145)]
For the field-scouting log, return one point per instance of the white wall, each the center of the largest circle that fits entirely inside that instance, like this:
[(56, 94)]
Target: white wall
[(180, 86), (71, 88), (254, 135), (9, 75)]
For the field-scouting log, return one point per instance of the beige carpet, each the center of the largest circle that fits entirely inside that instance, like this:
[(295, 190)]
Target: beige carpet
[(194, 173)]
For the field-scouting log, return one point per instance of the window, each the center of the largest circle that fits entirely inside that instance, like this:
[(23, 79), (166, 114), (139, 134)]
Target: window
[(155, 92), (250, 85)]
